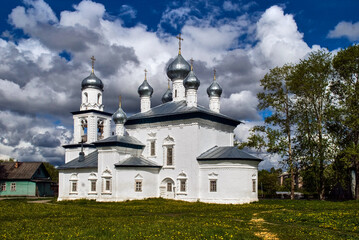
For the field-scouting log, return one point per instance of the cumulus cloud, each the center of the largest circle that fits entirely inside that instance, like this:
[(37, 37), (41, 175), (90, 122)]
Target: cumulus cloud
[(38, 87), (345, 29)]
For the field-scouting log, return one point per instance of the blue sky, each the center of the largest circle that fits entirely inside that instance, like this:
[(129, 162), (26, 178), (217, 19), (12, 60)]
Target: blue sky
[(46, 47)]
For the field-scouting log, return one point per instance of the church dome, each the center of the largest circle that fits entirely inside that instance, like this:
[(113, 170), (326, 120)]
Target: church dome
[(214, 90), (179, 68), (167, 97), (145, 89), (92, 81), (119, 117), (191, 81)]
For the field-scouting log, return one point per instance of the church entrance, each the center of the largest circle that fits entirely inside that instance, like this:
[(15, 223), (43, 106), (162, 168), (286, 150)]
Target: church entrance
[(167, 188)]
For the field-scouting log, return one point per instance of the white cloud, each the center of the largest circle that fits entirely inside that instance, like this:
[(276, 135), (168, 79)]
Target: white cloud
[(229, 6), (280, 41), (43, 82), (345, 29), (127, 10)]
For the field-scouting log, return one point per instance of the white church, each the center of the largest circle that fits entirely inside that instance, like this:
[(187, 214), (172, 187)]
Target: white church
[(176, 150)]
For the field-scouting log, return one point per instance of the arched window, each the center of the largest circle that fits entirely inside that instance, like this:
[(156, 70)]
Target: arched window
[(213, 177), (176, 93), (100, 126), (182, 183), (99, 98), (86, 97), (73, 184), (83, 130), (169, 152), (106, 182), (93, 183), (138, 183)]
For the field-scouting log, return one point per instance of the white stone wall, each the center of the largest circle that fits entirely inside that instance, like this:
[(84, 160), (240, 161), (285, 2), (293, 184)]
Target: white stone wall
[(91, 98), (214, 104), (191, 98), (178, 91), (83, 184), (72, 153), (234, 181), (145, 103)]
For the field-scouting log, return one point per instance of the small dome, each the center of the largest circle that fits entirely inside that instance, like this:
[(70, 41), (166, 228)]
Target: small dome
[(92, 81), (191, 81), (119, 117), (145, 89), (167, 97), (178, 69), (214, 90)]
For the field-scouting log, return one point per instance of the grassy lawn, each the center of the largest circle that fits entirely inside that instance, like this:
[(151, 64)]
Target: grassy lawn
[(166, 219)]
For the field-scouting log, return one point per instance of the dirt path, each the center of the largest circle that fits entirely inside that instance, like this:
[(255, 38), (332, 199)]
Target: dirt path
[(263, 232), (40, 201)]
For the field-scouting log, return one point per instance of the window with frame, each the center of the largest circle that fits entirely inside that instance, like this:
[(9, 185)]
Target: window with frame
[(153, 148), (3, 187), (73, 186), (213, 185), (13, 187), (169, 187), (183, 185), (107, 185), (93, 186), (254, 185), (138, 186), (169, 155)]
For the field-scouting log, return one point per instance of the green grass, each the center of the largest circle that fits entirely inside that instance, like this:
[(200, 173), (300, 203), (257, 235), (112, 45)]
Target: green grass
[(166, 219)]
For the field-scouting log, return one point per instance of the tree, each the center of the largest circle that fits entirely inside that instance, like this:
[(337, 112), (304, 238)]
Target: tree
[(268, 181), (276, 136), (53, 172), (310, 83), (345, 123)]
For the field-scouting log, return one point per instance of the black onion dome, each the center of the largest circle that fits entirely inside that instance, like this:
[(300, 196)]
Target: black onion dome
[(214, 90), (92, 81), (119, 117), (191, 81), (167, 97), (178, 69), (145, 89)]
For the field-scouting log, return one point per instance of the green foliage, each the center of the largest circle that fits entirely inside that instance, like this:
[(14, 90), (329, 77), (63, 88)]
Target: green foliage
[(54, 173), (345, 121), (166, 219), (268, 182)]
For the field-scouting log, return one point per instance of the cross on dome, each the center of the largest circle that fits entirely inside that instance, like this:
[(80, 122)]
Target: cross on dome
[(191, 64), (145, 74), (214, 74), (93, 63), (120, 99), (179, 43)]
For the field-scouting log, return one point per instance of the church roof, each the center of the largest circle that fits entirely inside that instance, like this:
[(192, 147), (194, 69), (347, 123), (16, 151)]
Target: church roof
[(179, 110), (23, 171), (89, 162), (226, 153), (137, 162), (121, 141)]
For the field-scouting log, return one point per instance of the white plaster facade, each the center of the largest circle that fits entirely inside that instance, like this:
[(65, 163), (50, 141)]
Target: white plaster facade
[(170, 155)]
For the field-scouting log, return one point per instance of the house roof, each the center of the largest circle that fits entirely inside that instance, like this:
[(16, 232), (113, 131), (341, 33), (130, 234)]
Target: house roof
[(137, 162), (226, 153), (179, 110), (122, 141), (24, 171), (89, 162)]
